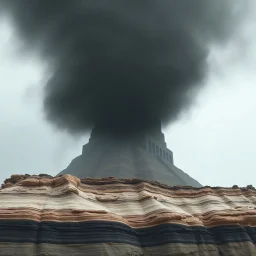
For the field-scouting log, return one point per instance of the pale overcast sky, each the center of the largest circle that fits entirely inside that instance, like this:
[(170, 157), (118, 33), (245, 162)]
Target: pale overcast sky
[(215, 143)]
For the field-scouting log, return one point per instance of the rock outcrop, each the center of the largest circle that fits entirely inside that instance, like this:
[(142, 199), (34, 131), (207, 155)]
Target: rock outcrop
[(42, 215)]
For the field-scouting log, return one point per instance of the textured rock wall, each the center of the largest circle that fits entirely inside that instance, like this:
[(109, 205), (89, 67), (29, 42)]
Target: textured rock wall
[(42, 215)]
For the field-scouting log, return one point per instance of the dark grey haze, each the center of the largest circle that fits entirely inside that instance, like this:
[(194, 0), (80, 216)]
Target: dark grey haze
[(122, 64)]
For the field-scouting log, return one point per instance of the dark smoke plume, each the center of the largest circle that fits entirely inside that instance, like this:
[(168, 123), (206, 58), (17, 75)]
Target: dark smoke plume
[(122, 64)]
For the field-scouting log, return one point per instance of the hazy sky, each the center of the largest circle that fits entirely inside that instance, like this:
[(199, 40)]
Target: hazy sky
[(215, 143)]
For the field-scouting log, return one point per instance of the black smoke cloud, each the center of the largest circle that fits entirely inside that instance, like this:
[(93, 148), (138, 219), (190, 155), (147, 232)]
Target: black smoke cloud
[(122, 64)]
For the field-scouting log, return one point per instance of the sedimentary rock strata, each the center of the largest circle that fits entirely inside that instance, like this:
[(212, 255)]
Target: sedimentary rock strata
[(42, 215)]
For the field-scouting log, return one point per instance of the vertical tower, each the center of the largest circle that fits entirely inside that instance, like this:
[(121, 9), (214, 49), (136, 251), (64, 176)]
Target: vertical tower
[(145, 157)]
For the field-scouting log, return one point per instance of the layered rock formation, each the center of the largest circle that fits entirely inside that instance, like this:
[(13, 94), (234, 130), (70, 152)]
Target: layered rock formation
[(42, 215)]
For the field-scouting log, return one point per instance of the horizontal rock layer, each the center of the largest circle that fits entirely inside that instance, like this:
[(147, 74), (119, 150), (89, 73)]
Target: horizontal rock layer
[(42, 215)]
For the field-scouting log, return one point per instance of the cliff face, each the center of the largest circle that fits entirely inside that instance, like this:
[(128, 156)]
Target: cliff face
[(42, 215)]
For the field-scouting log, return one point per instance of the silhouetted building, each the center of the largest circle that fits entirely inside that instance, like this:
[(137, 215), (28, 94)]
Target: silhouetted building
[(145, 157)]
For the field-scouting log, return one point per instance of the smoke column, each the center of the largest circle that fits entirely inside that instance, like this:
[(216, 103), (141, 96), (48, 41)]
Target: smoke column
[(122, 64)]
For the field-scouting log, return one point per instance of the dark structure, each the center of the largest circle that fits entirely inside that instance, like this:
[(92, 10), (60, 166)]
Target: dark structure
[(145, 157)]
